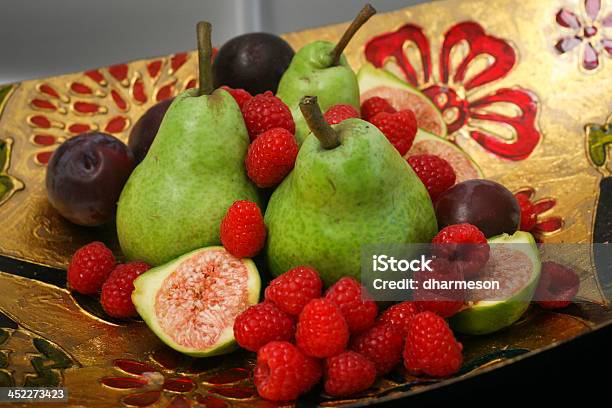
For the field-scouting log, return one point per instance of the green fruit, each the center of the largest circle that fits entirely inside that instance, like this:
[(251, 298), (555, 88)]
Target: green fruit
[(401, 95), (488, 316), (340, 196), (319, 69), (175, 199), (191, 303)]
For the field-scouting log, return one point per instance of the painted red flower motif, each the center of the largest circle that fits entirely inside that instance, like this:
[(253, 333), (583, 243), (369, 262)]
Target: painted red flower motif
[(453, 89), (545, 225), (587, 28)]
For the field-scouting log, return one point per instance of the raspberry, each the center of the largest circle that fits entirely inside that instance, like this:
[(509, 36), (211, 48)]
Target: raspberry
[(381, 344), (355, 303), (261, 324), (399, 315), (557, 287), (321, 329), (528, 213), (443, 302), (89, 268), (291, 291), (338, 113), (271, 157), (243, 232), (399, 127), (240, 95), (283, 372), (435, 173), (373, 106), (465, 245), (264, 112), (431, 348), (116, 297), (348, 373)]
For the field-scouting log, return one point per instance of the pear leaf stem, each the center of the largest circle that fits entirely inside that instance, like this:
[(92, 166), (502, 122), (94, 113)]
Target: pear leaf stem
[(328, 137), (204, 30), (364, 15)]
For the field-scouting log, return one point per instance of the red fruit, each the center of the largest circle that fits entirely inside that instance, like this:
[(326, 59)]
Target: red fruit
[(373, 106), (271, 157), (292, 290), (465, 245), (431, 348), (443, 302), (321, 329), (240, 95), (243, 232), (261, 324), (89, 268), (116, 297), (399, 315), (557, 287), (264, 112), (355, 303), (381, 344), (528, 213), (338, 113), (348, 373), (283, 372), (399, 127), (436, 173)]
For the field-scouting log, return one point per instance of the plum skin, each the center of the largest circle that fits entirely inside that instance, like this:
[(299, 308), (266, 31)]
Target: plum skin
[(85, 177), (145, 129)]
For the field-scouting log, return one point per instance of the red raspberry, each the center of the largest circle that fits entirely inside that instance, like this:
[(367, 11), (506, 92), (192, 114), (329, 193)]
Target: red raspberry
[(261, 324), (465, 245), (271, 157), (443, 302), (431, 348), (240, 95), (381, 344), (291, 291), (557, 287), (89, 268), (243, 232), (528, 213), (321, 329), (399, 127), (338, 113), (283, 372), (355, 303), (399, 316), (264, 112), (348, 373), (373, 106), (436, 173), (116, 297)]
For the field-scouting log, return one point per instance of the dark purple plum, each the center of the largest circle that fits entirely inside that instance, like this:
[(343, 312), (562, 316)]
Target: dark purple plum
[(254, 62), (484, 203), (145, 129), (85, 177)]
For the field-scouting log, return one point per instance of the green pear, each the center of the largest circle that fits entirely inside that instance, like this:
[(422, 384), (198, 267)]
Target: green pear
[(349, 187), (319, 69), (176, 197)]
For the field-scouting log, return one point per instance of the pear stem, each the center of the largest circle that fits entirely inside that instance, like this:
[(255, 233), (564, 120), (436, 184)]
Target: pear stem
[(328, 137), (364, 15), (204, 30)]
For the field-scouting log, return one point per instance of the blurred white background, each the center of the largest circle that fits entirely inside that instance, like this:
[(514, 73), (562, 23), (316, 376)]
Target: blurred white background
[(48, 37)]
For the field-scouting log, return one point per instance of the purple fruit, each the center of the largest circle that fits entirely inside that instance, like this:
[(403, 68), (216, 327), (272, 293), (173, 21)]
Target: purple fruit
[(85, 177), (484, 203), (145, 129)]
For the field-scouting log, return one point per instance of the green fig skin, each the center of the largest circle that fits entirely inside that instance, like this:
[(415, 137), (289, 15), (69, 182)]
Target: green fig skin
[(334, 201), (311, 74), (175, 199)]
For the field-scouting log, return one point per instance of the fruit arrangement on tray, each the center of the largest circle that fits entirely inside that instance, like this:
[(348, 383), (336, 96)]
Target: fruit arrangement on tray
[(242, 206)]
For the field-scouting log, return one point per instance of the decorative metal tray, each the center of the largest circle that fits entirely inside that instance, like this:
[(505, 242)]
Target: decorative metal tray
[(524, 90)]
